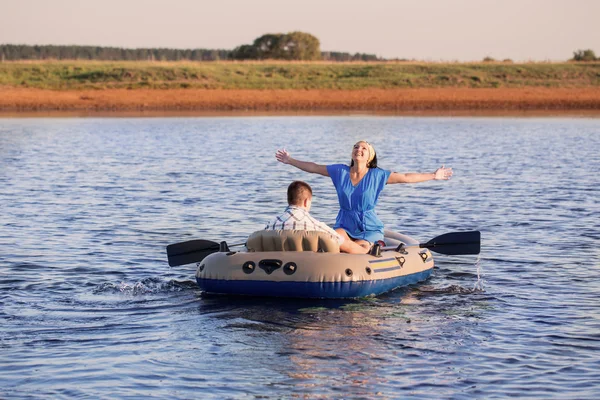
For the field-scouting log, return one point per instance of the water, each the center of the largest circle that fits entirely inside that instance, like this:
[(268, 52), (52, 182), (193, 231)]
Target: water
[(89, 307)]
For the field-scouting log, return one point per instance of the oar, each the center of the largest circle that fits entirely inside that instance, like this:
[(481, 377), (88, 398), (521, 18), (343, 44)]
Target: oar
[(193, 251), (453, 243)]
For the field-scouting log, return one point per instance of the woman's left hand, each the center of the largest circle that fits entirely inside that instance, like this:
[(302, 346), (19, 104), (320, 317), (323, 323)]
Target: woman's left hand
[(443, 173)]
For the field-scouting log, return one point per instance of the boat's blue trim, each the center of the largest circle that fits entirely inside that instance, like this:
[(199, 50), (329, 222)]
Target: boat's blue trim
[(382, 260), (332, 290), (387, 269)]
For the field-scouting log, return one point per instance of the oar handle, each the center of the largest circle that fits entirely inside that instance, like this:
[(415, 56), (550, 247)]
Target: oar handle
[(396, 247)]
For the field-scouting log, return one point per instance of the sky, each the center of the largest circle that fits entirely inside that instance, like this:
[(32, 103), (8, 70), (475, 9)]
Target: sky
[(427, 30)]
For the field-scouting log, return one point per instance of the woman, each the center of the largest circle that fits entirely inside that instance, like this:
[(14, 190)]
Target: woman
[(358, 187)]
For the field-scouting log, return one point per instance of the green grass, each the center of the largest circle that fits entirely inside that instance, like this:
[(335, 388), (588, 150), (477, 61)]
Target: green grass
[(63, 75)]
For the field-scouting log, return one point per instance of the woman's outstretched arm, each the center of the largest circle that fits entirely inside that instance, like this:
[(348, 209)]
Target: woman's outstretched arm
[(284, 157), (441, 173)]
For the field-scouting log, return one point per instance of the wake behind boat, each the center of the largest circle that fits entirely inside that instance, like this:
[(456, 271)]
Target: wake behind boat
[(308, 264)]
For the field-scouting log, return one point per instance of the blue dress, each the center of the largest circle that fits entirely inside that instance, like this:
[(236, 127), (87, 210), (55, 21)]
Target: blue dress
[(357, 203)]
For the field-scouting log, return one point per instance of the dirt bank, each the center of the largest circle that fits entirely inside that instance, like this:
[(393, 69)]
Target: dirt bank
[(383, 100)]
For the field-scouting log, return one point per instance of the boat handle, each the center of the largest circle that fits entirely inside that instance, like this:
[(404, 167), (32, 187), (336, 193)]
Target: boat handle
[(269, 265)]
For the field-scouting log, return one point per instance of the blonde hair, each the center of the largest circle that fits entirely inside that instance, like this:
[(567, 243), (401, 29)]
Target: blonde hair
[(371, 150)]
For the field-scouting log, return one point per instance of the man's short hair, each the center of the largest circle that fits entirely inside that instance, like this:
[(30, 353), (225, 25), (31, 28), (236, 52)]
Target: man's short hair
[(297, 192)]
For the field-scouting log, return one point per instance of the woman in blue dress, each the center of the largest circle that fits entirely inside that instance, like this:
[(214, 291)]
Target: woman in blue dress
[(358, 187)]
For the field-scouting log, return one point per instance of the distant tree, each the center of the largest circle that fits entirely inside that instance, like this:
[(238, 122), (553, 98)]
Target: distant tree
[(489, 59), (278, 46), (584, 55), (267, 46), (299, 46), (245, 52)]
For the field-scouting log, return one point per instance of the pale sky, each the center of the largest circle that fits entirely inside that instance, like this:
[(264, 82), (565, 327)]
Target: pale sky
[(429, 30)]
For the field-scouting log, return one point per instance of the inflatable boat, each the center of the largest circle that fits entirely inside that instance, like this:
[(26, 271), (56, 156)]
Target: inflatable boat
[(308, 264)]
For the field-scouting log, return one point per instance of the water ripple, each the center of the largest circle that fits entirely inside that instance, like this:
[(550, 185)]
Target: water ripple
[(89, 307)]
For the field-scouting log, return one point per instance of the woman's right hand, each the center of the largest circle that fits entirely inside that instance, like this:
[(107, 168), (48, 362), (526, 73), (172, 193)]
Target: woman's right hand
[(283, 156)]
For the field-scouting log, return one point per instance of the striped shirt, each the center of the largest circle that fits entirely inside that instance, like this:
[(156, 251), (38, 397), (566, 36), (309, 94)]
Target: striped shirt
[(296, 218)]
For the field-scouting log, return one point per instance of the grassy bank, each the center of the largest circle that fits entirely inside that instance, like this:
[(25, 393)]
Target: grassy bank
[(90, 75)]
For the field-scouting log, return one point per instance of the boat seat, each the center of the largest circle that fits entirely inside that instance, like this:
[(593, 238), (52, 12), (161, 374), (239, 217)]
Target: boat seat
[(293, 240)]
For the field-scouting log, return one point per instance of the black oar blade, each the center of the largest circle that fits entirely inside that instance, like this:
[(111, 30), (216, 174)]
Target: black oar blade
[(190, 252), (455, 243)]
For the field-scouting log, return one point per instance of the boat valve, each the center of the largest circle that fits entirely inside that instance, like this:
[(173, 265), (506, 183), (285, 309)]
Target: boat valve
[(290, 268), (248, 267)]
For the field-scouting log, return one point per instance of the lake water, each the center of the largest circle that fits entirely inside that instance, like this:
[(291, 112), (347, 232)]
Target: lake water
[(89, 307)]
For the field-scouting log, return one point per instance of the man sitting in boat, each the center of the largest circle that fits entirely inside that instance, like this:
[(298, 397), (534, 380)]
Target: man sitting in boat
[(297, 217)]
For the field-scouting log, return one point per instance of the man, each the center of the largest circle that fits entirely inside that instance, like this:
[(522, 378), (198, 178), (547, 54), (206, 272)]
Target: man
[(297, 217)]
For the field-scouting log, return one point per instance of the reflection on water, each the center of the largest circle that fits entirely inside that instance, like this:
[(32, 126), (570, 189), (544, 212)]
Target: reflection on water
[(89, 307)]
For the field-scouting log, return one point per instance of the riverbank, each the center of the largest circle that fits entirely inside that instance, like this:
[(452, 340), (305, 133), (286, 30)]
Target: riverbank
[(368, 100), (322, 87)]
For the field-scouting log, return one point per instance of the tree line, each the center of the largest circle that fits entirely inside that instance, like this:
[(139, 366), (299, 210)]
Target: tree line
[(289, 46), (11, 52)]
